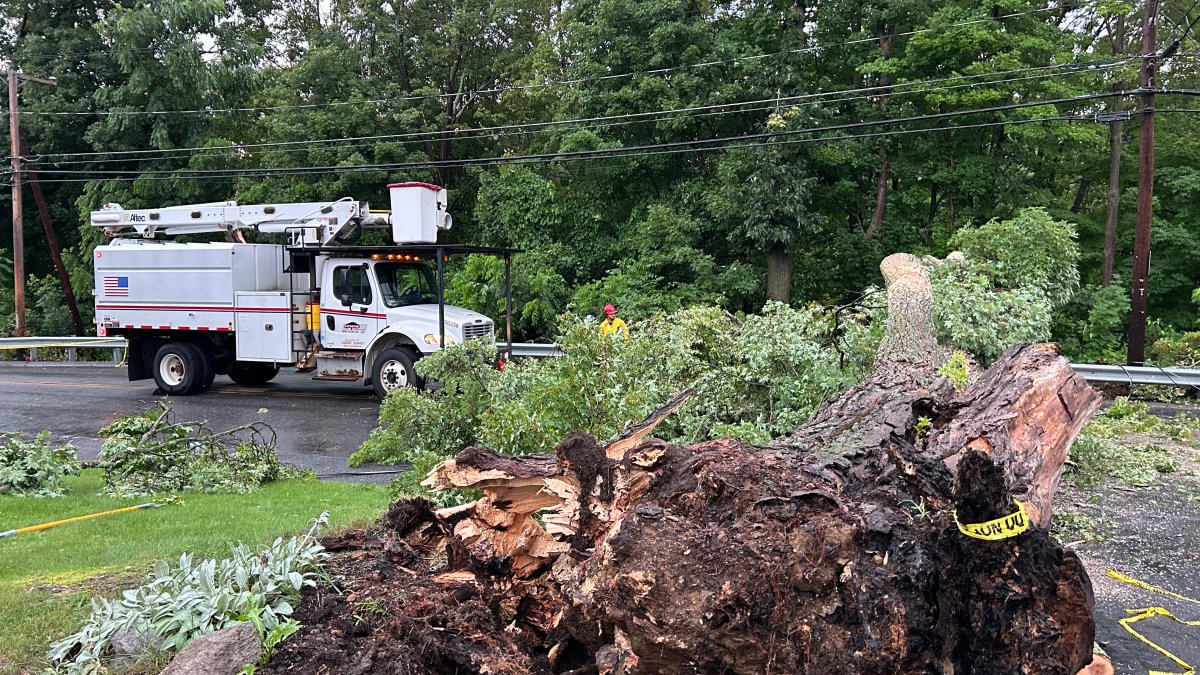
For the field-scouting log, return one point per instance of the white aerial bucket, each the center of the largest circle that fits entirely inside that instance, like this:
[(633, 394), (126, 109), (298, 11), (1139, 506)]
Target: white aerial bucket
[(418, 212)]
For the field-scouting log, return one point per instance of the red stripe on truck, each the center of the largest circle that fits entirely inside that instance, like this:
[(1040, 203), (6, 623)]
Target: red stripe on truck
[(346, 312), (205, 308)]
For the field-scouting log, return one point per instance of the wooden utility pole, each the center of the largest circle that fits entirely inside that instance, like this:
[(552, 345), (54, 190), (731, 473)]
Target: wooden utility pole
[(1140, 290), (18, 227)]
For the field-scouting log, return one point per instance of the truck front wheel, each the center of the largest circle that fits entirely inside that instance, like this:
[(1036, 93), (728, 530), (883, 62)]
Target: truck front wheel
[(393, 369), (181, 369)]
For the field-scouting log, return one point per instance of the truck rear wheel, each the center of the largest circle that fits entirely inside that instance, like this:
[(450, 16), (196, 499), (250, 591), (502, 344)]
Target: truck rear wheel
[(181, 369), (251, 374), (393, 369)]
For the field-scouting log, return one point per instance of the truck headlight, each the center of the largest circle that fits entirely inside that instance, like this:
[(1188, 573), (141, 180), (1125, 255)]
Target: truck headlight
[(433, 339)]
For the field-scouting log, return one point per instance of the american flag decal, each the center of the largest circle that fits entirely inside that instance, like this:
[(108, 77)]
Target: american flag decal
[(116, 287)]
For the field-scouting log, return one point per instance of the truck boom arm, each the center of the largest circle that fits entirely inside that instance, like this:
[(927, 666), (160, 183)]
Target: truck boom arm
[(309, 223), (418, 212)]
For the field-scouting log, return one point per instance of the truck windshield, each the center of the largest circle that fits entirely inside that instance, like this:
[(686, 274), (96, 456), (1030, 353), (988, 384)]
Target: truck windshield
[(401, 285)]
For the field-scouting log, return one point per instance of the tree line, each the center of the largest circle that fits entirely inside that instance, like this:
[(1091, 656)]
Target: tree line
[(655, 154)]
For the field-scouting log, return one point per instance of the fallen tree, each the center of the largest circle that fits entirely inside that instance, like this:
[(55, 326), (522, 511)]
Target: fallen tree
[(840, 547)]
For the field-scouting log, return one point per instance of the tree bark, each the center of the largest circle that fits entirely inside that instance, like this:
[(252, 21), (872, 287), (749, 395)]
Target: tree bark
[(1081, 193), (881, 181), (779, 272), (881, 178), (1115, 142)]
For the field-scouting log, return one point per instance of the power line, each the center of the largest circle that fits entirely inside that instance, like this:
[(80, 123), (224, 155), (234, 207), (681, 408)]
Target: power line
[(600, 151), (1080, 67), (515, 87), (617, 154), (606, 122)]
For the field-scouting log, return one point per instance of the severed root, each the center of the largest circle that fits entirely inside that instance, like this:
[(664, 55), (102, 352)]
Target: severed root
[(577, 492)]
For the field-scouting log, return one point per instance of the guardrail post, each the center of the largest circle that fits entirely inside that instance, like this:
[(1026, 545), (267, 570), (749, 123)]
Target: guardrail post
[(33, 354), (70, 355), (118, 354)]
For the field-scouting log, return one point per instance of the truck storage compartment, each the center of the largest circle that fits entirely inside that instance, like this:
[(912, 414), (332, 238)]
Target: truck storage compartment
[(173, 286), (264, 326)]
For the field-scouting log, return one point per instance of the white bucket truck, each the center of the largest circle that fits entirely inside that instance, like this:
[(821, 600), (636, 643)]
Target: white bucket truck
[(192, 311)]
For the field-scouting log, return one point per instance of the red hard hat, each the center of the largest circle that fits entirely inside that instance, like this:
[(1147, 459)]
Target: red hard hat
[(609, 309)]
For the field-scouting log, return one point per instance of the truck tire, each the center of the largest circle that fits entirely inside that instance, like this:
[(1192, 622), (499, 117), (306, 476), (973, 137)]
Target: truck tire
[(251, 374), (180, 369), (393, 369), (210, 367)]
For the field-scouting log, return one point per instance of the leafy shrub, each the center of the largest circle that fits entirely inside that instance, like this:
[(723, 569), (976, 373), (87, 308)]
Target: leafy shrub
[(1098, 458), (1031, 250), (150, 453), (971, 314), (178, 604), (539, 292), (755, 377), (1177, 349), (35, 467), (1012, 274)]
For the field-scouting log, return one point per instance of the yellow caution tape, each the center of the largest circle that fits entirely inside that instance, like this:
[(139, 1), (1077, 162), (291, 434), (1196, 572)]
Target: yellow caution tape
[(1000, 528), (1136, 615)]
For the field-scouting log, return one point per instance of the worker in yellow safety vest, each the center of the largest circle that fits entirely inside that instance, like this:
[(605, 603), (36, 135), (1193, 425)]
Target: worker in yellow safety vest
[(611, 324)]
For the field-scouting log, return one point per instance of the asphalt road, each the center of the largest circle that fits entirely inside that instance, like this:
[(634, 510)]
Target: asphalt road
[(318, 424)]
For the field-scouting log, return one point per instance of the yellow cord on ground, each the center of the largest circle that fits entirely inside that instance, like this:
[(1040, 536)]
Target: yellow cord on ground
[(46, 526), (1136, 615)]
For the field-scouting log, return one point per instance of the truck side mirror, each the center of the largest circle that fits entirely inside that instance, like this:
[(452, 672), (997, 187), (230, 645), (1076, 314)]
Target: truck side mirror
[(344, 289)]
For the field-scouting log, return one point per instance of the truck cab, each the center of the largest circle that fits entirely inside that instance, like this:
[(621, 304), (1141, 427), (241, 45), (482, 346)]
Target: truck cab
[(386, 307)]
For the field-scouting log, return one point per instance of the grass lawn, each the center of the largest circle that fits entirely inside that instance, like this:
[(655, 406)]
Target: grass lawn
[(47, 578)]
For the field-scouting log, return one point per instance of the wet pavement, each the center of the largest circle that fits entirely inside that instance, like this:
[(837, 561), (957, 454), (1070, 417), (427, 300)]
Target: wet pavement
[(318, 424)]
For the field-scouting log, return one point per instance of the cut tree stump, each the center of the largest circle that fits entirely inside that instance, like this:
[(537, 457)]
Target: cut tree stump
[(833, 549)]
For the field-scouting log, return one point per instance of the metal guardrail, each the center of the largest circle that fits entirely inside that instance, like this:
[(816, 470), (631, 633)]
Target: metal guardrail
[(538, 350), (1131, 375), (117, 345), (71, 344), (1171, 377)]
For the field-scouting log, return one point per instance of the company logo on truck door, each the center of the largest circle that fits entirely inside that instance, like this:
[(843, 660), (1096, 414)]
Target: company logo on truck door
[(353, 327)]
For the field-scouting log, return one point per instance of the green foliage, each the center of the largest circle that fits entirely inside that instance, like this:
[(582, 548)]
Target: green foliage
[(1012, 274), (973, 315), (423, 88), (178, 604), (1114, 446), (539, 293), (1031, 250), (35, 467), (1091, 328), (1177, 349), (271, 631), (957, 370), (755, 377), (150, 453), (922, 427), (1078, 524)]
